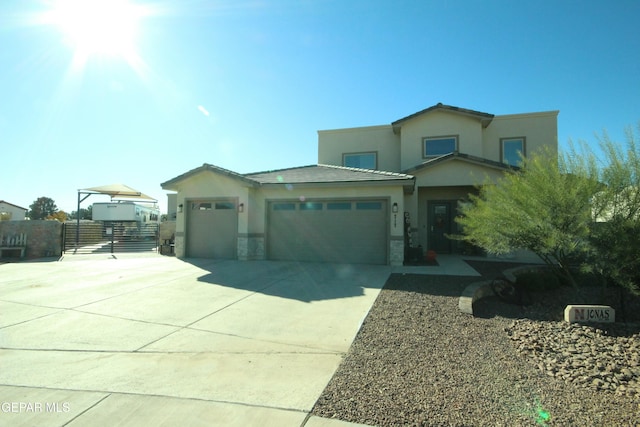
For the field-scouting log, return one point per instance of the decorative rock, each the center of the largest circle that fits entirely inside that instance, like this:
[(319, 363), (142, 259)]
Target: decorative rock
[(603, 357)]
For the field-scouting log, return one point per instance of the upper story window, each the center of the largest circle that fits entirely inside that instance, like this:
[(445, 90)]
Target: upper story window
[(440, 145), (511, 150), (360, 160)]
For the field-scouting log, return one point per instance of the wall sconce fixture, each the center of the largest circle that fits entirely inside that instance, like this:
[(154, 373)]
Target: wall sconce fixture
[(180, 207), (394, 209), (241, 207)]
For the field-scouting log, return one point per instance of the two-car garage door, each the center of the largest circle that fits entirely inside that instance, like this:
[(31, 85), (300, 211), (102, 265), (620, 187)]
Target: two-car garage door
[(345, 231)]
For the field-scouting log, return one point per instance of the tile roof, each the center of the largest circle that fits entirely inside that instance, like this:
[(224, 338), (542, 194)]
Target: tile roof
[(460, 156), (485, 118), (206, 167), (312, 174), (324, 174)]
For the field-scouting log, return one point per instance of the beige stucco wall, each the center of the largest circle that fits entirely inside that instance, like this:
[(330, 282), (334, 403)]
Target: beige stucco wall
[(455, 172), (539, 129), (438, 123), (398, 153), (332, 144)]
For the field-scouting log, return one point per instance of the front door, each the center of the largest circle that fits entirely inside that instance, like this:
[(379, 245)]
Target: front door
[(439, 226)]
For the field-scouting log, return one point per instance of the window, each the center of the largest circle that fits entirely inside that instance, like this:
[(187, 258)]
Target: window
[(360, 160), (511, 149), (369, 206), (310, 206), (339, 206), (284, 206), (202, 206), (225, 205), (440, 145)]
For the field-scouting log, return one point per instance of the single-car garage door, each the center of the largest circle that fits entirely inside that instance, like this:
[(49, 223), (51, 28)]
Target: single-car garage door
[(347, 231), (212, 227)]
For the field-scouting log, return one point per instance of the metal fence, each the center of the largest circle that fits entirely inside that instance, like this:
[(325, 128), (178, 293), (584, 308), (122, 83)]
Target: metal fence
[(110, 237)]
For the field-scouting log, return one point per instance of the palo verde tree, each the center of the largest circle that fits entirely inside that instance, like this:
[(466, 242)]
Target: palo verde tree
[(42, 208), (543, 206), (615, 236)]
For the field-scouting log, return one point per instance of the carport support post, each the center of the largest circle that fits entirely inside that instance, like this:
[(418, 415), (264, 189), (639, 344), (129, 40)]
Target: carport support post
[(78, 216), (111, 228)]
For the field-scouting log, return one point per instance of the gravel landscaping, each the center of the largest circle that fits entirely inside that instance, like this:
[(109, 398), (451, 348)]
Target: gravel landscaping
[(418, 360)]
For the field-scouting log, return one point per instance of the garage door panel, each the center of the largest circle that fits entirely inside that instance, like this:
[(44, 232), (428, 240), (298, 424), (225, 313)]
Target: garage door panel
[(212, 229), (333, 231)]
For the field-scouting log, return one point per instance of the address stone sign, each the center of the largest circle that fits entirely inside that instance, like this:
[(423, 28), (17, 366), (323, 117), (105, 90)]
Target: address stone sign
[(589, 313)]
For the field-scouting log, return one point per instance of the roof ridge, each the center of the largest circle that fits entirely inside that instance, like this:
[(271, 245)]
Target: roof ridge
[(461, 156), (278, 170), (484, 117), (375, 171)]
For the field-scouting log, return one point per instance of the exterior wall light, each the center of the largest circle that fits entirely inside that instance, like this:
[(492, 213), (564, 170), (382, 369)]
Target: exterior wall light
[(394, 209), (241, 207)]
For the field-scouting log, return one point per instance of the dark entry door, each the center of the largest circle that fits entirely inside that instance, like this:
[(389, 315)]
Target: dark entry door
[(439, 226)]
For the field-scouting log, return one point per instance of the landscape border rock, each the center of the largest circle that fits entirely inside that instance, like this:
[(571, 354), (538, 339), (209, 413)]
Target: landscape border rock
[(479, 290), (473, 293), (599, 357)]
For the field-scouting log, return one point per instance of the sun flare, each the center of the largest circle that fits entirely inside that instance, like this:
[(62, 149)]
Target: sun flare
[(98, 27)]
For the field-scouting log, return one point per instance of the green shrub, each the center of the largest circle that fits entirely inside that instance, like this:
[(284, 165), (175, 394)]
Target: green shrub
[(538, 281)]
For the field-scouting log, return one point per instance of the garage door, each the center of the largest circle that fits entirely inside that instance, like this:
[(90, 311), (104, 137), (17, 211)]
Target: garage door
[(352, 231), (212, 229)]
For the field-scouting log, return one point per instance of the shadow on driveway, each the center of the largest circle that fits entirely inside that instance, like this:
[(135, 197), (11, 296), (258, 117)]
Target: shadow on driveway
[(306, 282)]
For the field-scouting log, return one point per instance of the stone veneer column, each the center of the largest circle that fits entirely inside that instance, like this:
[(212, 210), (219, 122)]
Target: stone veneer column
[(179, 244), (396, 250), (251, 247)]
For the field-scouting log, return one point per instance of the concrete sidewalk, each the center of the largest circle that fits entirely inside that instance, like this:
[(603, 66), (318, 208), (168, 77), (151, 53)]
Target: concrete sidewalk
[(156, 340)]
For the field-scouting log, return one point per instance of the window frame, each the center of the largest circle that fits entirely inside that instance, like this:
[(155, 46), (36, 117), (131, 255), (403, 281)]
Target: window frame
[(425, 155), (512, 138), (361, 153)]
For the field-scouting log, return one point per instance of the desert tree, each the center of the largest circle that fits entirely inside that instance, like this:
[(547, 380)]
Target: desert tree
[(615, 236), (543, 206), (42, 208)]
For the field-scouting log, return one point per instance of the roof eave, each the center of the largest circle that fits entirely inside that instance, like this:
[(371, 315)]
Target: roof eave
[(462, 157), (356, 183), (172, 184), (484, 118)]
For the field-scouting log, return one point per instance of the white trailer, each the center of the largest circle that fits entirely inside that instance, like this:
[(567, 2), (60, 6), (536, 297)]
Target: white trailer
[(125, 211)]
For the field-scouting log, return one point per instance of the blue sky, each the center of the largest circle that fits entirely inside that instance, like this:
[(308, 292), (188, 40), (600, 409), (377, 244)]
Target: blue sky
[(245, 85)]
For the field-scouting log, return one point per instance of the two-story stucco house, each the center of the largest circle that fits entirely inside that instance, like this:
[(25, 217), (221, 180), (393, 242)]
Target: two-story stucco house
[(375, 190)]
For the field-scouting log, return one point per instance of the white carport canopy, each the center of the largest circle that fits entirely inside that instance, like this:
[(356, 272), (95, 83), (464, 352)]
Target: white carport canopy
[(115, 191), (118, 191)]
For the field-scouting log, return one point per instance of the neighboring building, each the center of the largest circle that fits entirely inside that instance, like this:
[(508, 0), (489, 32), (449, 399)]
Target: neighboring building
[(172, 206), (14, 212), (375, 191)]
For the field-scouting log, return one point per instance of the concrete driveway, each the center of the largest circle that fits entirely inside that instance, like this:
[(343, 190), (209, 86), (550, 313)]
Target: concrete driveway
[(159, 341)]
